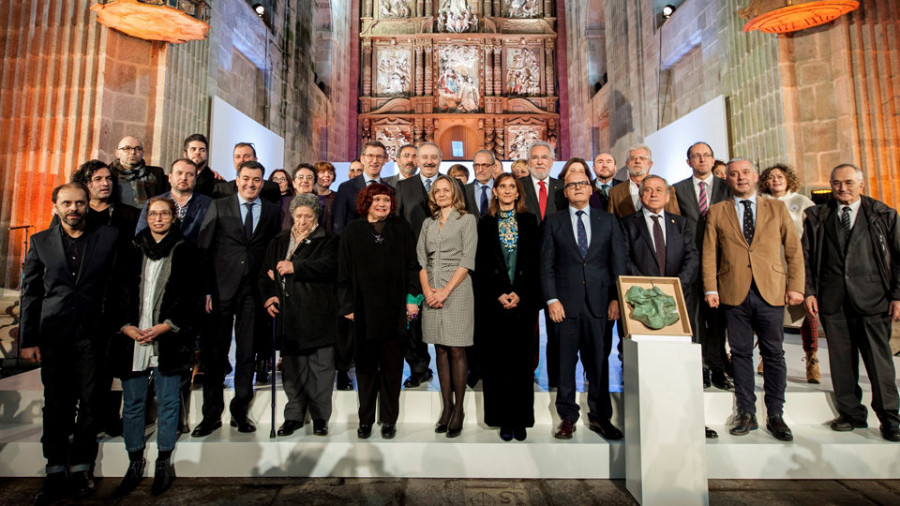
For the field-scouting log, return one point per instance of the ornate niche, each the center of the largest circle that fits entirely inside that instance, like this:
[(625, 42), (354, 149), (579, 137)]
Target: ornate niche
[(522, 70), (457, 16), (393, 133), (459, 78), (522, 9), (393, 9), (521, 133), (393, 71)]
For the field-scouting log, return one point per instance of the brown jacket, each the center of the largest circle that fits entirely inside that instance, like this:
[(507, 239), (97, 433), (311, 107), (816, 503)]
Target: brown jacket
[(730, 264), (621, 205)]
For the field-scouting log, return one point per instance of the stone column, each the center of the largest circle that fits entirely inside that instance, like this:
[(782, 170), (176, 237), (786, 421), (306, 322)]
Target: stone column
[(429, 52), (429, 6), (499, 139), (548, 8), (420, 74), (367, 8), (486, 12), (498, 48), (549, 75), (420, 8), (497, 11), (367, 68), (429, 130), (488, 70)]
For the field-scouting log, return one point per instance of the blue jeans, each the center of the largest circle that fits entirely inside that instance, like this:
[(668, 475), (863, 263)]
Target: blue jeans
[(168, 405)]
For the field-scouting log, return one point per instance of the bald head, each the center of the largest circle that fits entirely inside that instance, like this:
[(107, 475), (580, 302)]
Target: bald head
[(130, 152)]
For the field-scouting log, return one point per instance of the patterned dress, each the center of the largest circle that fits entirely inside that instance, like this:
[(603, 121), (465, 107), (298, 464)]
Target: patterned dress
[(441, 251)]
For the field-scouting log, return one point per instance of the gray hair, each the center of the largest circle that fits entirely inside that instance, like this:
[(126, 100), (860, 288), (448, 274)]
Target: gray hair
[(653, 176), (859, 172), (741, 159), (306, 200), (641, 146), (440, 151), (542, 144), (488, 151)]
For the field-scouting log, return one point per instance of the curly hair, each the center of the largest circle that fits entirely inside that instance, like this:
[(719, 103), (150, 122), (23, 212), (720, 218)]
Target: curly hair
[(793, 180), (366, 195)]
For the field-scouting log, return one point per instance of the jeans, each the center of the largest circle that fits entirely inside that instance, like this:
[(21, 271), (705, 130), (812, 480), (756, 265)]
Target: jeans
[(168, 404)]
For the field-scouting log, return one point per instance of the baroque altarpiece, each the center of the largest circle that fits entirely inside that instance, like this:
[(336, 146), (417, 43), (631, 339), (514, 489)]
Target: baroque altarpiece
[(465, 74)]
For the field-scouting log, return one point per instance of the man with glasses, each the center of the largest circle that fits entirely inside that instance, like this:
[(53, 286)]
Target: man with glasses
[(478, 192), (190, 207), (581, 258), (373, 157), (246, 152), (138, 182), (406, 163), (624, 199), (695, 196)]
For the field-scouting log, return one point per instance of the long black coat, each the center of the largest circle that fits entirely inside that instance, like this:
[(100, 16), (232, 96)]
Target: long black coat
[(375, 277), (308, 300)]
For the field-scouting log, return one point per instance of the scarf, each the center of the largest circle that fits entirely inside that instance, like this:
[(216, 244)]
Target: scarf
[(155, 250)]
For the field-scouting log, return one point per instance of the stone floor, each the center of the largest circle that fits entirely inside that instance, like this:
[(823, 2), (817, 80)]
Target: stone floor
[(259, 491)]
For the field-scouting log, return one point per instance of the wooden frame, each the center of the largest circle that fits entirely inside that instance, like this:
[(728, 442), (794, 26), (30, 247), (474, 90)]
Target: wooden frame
[(670, 286)]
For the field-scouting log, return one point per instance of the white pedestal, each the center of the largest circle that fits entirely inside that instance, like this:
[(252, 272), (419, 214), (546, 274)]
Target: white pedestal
[(665, 441)]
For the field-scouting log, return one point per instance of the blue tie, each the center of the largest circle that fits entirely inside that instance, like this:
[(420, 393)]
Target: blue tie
[(485, 207), (248, 221), (582, 235)]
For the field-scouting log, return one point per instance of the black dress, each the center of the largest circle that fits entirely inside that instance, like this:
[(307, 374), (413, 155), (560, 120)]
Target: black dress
[(508, 333)]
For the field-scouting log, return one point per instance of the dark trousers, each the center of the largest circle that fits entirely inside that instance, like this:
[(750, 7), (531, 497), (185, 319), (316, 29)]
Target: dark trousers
[(308, 383), (552, 348), (417, 355), (585, 334), (238, 314), (851, 335), (709, 331), (755, 315), (70, 372), (379, 372)]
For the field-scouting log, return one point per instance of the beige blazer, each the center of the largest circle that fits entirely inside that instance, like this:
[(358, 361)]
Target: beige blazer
[(621, 205), (730, 264)]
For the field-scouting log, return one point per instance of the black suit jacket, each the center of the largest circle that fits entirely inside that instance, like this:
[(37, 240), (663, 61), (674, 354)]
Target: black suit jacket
[(344, 210), (599, 199), (412, 202), (57, 306), (226, 254), (270, 190), (690, 208), (566, 276), (554, 190), (682, 258)]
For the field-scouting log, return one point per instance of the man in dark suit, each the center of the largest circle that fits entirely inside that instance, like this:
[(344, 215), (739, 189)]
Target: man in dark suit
[(581, 258), (406, 165), (539, 187), (245, 152), (695, 195), (373, 157), (190, 207), (605, 171), (196, 149), (852, 250), (624, 199), (661, 244), (412, 204), (66, 325), (478, 192), (137, 181), (233, 239), (743, 271)]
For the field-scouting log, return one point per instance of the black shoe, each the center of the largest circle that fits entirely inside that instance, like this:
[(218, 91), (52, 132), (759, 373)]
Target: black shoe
[(520, 433), (846, 424), (606, 429), (779, 429), (720, 381), (416, 379), (343, 381), (388, 430), (364, 431), (163, 476), (243, 424), (506, 433), (455, 431), (206, 428), (890, 433), (82, 484), (320, 427), (132, 478), (53, 489), (743, 424), (289, 427), (711, 434), (706, 382)]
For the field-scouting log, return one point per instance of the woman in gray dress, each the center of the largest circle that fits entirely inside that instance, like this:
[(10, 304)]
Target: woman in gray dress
[(446, 251)]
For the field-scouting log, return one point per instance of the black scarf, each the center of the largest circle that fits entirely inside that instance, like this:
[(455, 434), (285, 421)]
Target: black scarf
[(155, 250)]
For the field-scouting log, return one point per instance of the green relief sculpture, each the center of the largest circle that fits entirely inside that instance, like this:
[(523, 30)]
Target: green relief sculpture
[(652, 307)]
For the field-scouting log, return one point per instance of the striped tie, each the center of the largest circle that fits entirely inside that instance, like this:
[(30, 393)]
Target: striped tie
[(704, 204)]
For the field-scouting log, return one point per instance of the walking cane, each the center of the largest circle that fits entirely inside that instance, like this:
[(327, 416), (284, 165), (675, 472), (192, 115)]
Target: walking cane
[(274, 337)]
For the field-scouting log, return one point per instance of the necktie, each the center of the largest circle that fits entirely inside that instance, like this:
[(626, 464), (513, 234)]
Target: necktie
[(748, 221), (845, 218), (582, 235), (660, 243), (248, 221), (704, 204), (427, 185), (605, 188), (485, 207), (542, 197)]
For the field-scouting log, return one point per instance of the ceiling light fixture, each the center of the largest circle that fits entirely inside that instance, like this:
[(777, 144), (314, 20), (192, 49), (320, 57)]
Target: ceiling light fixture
[(668, 10), (260, 9)]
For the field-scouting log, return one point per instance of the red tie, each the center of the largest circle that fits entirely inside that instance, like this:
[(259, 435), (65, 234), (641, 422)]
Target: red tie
[(542, 198)]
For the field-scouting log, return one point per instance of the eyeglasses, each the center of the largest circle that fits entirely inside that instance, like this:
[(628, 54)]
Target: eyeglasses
[(159, 214), (482, 165), (698, 156), (279, 179), (131, 148), (374, 157), (304, 178), (577, 184)]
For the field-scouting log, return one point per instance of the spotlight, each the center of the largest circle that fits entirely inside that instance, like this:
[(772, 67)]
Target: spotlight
[(668, 10), (260, 9)]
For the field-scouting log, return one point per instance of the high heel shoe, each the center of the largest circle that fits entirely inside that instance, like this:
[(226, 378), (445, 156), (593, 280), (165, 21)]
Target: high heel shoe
[(456, 431), (443, 422)]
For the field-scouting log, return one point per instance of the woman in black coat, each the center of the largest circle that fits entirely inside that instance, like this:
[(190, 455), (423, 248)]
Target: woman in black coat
[(507, 288), (297, 283), (159, 303), (378, 283)]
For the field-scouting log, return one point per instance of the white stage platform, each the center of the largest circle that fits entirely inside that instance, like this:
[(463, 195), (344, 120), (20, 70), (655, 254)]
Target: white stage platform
[(816, 453)]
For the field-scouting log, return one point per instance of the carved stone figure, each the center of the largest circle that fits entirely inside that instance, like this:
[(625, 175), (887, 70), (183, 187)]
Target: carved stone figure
[(394, 8)]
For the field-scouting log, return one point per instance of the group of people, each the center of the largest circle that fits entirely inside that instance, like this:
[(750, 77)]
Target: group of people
[(140, 269)]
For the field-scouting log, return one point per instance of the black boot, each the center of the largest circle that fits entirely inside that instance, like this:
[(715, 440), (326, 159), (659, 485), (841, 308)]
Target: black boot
[(163, 476), (132, 478), (53, 489)]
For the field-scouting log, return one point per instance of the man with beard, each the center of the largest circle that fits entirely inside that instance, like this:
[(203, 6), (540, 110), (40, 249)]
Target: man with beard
[(101, 184), (196, 148), (245, 152), (190, 206), (137, 180), (624, 199), (65, 326), (406, 162), (540, 188), (605, 170)]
